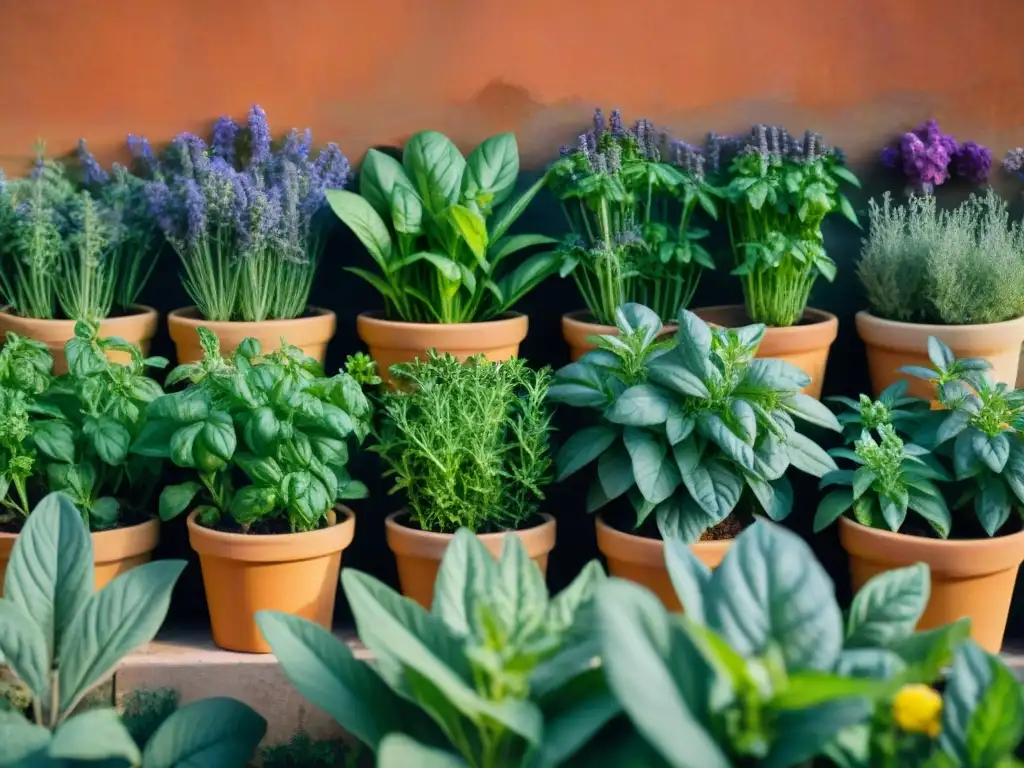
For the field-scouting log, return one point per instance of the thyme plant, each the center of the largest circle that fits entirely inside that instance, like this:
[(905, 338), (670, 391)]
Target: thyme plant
[(631, 198), (779, 190), (468, 443)]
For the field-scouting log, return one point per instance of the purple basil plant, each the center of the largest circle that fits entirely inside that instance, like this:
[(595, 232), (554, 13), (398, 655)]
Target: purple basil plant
[(243, 215), (928, 157)]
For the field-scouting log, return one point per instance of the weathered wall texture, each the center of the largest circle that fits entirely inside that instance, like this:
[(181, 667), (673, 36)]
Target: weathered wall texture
[(363, 72)]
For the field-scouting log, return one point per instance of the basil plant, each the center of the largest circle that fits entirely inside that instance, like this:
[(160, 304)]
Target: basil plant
[(436, 224), (685, 424), (61, 639), (71, 433), (497, 674), (267, 436)]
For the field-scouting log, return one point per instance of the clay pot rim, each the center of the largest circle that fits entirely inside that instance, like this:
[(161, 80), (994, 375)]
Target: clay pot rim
[(373, 319), (145, 312), (941, 555), (189, 316), (125, 542), (641, 549), (816, 317), (273, 547), (545, 530), (877, 331), (573, 320)]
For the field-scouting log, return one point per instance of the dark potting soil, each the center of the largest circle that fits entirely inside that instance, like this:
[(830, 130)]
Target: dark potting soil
[(129, 517), (274, 526), (622, 518), (406, 521)]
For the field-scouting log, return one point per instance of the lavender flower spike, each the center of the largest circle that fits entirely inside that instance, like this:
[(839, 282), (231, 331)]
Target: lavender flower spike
[(259, 136), (92, 170), (225, 133)]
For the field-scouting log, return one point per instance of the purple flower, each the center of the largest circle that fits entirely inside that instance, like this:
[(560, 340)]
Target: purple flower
[(617, 128), (297, 145), (1014, 162), (598, 121), (972, 162), (160, 204), (93, 173), (195, 212), (259, 136), (332, 167), (890, 157), (142, 153), (225, 133), (191, 155)]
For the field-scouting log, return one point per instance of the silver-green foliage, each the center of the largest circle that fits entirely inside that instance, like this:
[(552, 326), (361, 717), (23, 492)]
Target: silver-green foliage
[(61, 639), (959, 267), (496, 675), (685, 424)]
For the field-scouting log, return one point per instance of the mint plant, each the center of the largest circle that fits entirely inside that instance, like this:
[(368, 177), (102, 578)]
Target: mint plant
[(267, 436), (62, 639), (684, 425), (436, 224)]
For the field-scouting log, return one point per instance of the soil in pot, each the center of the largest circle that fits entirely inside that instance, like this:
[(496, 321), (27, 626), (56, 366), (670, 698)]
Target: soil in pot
[(243, 573), (890, 344), (418, 553), (136, 327), (393, 341), (638, 555), (310, 333), (806, 344), (579, 326), (972, 577)]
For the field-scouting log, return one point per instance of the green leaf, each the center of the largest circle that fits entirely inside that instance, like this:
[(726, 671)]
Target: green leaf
[(467, 575), (379, 175), (55, 439), (735, 447), (514, 243), (940, 354), (399, 751), (694, 342), (96, 734), (359, 216), (521, 598), (933, 509), (689, 576), (994, 451), (527, 276), (406, 212), (50, 574), (812, 688), (639, 406), (770, 374), (110, 439), (563, 607), (807, 456), (811, 411), (771, 591), (670, 372), (175, 499), (23, 648), (679, 425), (831, 508), (115, 621), (473, 229), (656, 476), (105, 510), (435, 167), (382, 287), (573, 714), (888, 607), (215, 731), (992, 503), (775, 498), (615, 471), (492, 169), (24, 742), (512, 209), (154, 439), (801, 734), (583, 448)]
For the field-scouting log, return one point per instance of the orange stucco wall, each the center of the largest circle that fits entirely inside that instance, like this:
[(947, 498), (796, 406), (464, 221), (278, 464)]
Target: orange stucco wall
[(371, 72)]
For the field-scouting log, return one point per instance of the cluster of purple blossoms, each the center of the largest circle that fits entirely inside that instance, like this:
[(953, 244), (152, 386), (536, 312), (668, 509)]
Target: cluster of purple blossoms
[(928, 157), (1014, 162), (772, 144)]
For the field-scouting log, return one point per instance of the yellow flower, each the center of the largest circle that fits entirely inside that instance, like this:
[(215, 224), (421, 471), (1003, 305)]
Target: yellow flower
[(918, 709)]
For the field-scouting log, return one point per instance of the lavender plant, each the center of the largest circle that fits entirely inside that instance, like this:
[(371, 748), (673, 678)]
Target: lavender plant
[(779, 190), (243, 216), (928, 157), (630, 197)]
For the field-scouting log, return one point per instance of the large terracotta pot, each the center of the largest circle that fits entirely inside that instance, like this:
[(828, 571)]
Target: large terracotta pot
[(310, 333), (970, 577), (114, 552), (136, 328), (418, 553), (642, 560), (393, 341), (579, 326), (891, 344), (805, 345), (295, 573)]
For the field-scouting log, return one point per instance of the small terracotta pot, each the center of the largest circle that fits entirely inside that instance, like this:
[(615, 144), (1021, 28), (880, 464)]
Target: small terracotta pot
[(114, 552), (418, 553), (393, 341), (891, 344), (805, 345), (136, 328), (310, 334), (295, 573), (578, 327), (970, 577), (642, 560)]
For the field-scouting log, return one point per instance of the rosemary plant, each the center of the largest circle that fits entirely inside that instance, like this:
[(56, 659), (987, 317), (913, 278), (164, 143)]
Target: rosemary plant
[(630, 198)]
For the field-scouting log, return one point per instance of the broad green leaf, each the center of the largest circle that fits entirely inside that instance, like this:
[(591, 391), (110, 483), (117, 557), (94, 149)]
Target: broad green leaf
[(931, 651), (656, 476), (888, 607), (831, 508), (940, 354), (801, 734), (563, 607), (994, 451), (670, 372), (23, 648), (714, 428), (879, 663), (379, 176), (521, 597), (96, 734), (811, 411), (175, 499), (807, 456), (775, 498), (512, 209), (55, 439), (399, 751), (770, 374), (694, 342), (109, 438), (23, 741), (215, 731), (359, 216), (154, 439), (813, 688), (992, 503), (933, 509), (573, 714), (642, 405), (112, 623), (615, 471), (435, 167), (406, 212), (582, 448), (473, 229), (527, 276), (492, 169), (507, 246), (690, 577), (467, 574)]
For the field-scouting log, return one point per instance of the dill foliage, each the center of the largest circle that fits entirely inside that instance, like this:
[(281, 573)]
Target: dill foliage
[(468, 443), (963, 266)]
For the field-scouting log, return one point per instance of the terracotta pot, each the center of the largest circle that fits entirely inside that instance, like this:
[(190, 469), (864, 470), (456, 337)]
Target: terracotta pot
[(310, 334), (642, 560), (419, 553), (393, 341), (578, 327), (891, 344), (295, 573), (136, 328), (805, 345), (970, 577), (114, 552)]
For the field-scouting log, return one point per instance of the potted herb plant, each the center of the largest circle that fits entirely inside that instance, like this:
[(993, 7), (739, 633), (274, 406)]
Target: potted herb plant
[(467, 444), (955, 275), (685, 425), (779, 190), (267, 436), (70, 254), (437, 226), (968, 455), (246, 221), (631, 197), (70, 434)]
